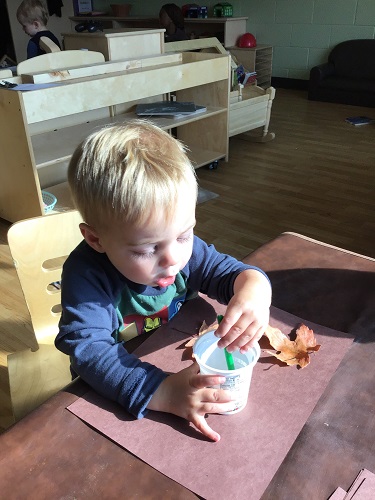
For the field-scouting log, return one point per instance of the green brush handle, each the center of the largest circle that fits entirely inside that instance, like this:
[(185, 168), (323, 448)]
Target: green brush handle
[(229, 359), (228, 356)]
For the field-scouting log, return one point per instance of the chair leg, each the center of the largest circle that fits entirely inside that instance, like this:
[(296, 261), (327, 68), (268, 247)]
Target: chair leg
[(36, 376), (7, 417)]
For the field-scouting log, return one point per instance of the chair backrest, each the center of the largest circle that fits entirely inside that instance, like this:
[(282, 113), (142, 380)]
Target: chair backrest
[(39, 247), (5, 73), (48, 45), (63, 59), (353, 58)]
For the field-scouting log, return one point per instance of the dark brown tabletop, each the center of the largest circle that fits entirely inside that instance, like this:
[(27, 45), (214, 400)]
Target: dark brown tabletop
[(52, 454)]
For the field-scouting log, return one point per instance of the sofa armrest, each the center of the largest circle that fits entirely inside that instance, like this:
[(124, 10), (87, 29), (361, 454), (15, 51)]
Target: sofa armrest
[(318, 73)]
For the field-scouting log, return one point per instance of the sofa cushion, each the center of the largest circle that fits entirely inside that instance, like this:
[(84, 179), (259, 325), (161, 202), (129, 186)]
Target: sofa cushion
[(354, 58), (352, 84)]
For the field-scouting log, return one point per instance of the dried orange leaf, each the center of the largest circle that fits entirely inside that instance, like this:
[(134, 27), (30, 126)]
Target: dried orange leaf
[(292, 352), (191, 342), (207, 328)]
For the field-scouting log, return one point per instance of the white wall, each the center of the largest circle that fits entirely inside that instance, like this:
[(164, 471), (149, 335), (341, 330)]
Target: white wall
[(302, 32)]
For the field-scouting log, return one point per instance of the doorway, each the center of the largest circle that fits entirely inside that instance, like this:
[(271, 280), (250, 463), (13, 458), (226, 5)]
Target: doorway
[(7, 53)]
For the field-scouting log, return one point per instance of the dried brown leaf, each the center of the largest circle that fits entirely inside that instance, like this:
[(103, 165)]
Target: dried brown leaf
[(292, 352)]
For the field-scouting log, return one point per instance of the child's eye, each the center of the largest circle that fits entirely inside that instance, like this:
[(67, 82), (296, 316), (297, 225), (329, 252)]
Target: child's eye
[(144, 255), (185, 238)]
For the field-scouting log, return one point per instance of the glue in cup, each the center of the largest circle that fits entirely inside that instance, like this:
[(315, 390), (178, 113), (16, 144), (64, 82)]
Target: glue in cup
[(211, 361)]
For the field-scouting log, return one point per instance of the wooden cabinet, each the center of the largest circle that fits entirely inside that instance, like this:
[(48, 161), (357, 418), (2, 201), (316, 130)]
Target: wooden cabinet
[(39, 129), (225, 29), (115, 44), (257, 59)]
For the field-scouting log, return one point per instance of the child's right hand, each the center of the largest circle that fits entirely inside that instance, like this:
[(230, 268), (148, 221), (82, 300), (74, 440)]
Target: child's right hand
[(188, 394)]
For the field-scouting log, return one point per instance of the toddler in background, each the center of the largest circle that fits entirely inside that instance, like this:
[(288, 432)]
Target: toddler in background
[(172, 19), (33, 17)]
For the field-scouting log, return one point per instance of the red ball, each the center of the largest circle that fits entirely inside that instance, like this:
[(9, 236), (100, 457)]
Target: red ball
[(246, 41)]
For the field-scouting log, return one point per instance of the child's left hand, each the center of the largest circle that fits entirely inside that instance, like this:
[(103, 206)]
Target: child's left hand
[(247, 314)]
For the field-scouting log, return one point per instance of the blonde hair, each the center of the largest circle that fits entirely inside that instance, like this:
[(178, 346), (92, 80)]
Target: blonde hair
[(30, 11), (126, 172)]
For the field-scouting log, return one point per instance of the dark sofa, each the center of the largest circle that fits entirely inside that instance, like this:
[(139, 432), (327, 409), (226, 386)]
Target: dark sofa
[(349, 75)]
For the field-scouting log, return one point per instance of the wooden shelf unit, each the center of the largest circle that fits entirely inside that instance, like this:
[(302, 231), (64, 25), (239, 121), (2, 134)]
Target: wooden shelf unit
[(257, 59), (226, 29), (249, 106), (40, 129), (115, 44)]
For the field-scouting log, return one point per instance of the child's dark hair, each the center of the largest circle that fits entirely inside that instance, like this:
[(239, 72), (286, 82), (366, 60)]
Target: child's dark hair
[(175, 14)]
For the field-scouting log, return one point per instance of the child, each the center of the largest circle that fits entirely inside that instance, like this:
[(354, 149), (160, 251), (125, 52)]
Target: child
[(172, 19), (33, 17), (136, 191)]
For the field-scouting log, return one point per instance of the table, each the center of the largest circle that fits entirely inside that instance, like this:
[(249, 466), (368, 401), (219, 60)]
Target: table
[(52, 454)]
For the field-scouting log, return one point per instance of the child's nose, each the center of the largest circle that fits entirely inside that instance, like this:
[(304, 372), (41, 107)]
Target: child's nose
[(170, 257)]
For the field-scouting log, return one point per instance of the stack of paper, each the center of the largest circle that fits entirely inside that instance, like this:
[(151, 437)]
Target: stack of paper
[(363, 488)]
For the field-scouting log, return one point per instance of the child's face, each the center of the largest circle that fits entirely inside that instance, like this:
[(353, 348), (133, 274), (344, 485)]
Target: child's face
[(30, 29), (154, 252)]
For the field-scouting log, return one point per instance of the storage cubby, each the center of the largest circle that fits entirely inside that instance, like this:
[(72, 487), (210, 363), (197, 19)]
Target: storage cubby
[(257, 59), (39, 129)]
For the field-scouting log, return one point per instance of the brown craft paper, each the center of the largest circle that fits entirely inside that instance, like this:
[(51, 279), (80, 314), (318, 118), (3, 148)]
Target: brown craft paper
[(363, 487), (338, 494), (253, 442)]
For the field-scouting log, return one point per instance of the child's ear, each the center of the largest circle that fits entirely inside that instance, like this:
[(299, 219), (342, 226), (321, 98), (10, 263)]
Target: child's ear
[(91, 237)]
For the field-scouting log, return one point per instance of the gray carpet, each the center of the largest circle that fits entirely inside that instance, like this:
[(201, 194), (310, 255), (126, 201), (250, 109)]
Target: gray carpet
[(205, 195)]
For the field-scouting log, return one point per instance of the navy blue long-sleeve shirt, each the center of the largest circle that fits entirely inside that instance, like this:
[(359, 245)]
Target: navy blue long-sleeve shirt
[(100, 308), (33, 47)]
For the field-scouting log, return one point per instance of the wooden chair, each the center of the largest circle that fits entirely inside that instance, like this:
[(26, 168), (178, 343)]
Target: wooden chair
[(48, 45), (38, 247), (5, 73), (59, 60)]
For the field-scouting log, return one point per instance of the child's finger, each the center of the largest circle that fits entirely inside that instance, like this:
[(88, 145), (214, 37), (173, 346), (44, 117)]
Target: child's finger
[(200, 381), (239, 335), (213, 396), (246, 347), (232, 315), (201, 424), (248, 338)]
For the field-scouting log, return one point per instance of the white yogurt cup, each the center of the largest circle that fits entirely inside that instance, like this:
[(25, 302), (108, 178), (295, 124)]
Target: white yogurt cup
[(211, 361)]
